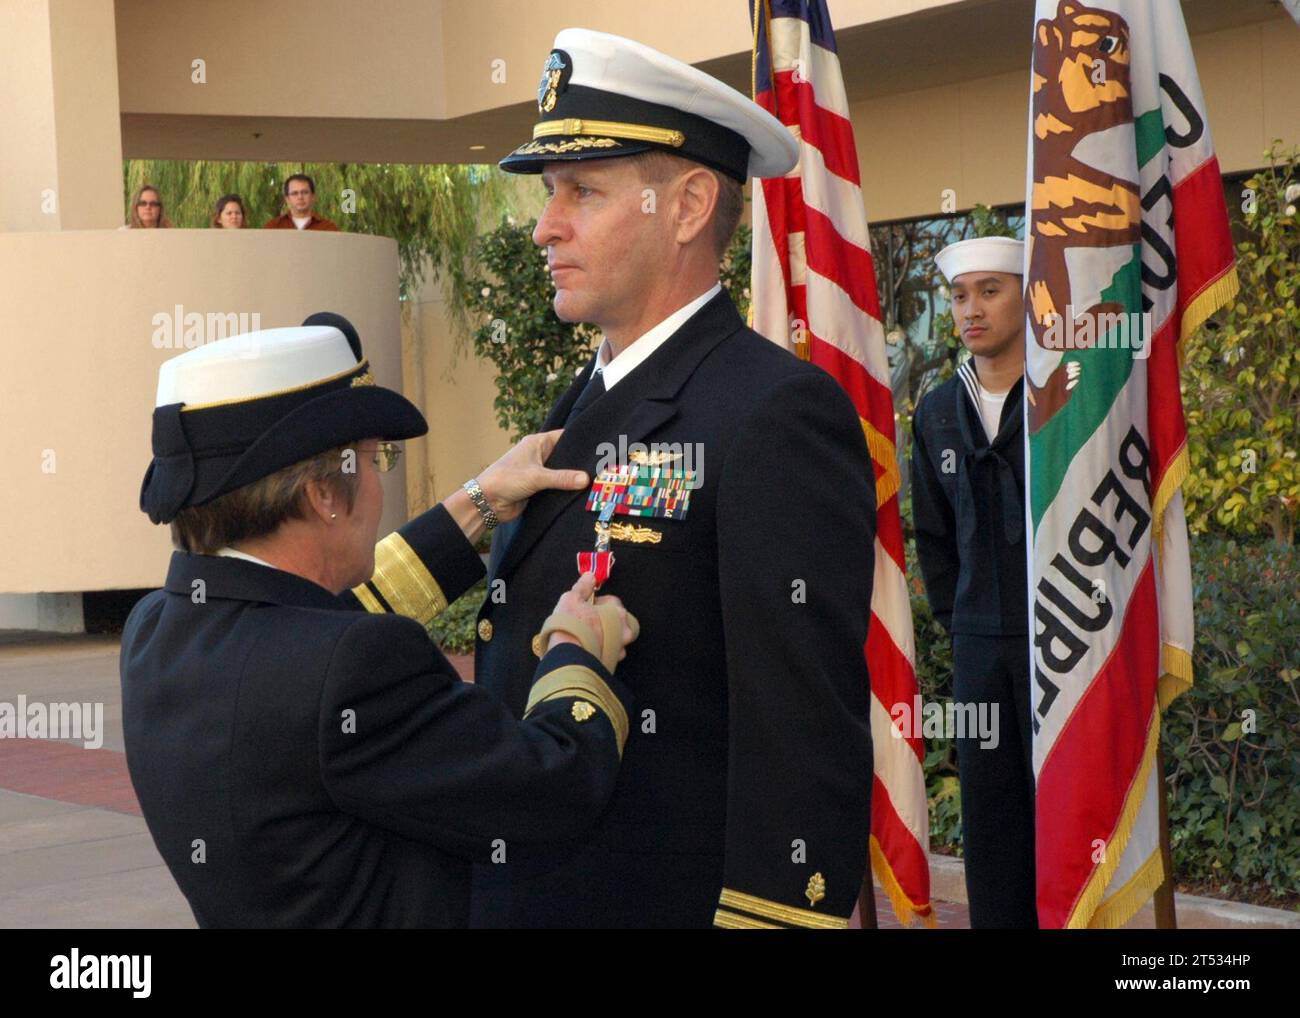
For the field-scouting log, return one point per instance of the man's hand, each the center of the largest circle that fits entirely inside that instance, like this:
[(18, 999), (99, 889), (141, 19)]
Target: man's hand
[(509, 482)]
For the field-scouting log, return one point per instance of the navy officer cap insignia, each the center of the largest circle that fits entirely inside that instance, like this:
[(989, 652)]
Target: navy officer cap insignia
[(603, 96), (555, 75)]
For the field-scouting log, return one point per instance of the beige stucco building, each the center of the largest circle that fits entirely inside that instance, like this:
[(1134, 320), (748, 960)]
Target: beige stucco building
[(938, 92)]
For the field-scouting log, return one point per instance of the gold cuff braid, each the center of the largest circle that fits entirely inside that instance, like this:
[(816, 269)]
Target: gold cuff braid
[(577, 681), (404, 581), (786, 914)]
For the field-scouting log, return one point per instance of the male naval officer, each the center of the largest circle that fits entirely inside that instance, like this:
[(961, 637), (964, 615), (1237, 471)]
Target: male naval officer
[(733, 504), (968, 483)]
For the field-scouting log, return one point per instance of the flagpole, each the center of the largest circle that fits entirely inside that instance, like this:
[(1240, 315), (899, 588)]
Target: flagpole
[(867, 902), (1163, 901)]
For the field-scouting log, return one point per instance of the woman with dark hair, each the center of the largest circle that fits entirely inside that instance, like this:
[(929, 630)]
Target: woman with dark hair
[(230, 213), (302, 753)]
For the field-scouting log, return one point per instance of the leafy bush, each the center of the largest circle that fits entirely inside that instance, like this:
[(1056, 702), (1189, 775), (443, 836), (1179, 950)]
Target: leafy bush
[(1232, 742), (453, 629), (1242, 385), (536, 355)]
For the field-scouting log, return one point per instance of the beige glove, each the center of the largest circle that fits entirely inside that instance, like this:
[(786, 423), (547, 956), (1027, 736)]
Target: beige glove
[(608, 647)]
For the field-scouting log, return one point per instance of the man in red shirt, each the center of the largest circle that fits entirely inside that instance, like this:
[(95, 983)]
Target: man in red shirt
[(300, 196)]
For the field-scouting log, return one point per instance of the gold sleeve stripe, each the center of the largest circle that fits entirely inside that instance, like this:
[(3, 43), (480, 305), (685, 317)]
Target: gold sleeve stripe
[(575, 680), (404, 581), (725, 920), (368, 600), (781, 913)]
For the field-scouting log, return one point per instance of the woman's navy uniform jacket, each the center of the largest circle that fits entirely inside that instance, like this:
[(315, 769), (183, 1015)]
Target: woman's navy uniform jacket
[(301, 761), (968, 505)]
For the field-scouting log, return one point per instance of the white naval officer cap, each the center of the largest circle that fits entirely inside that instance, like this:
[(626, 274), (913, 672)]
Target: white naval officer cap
[(982, 254), (602, 96), (232, 412)]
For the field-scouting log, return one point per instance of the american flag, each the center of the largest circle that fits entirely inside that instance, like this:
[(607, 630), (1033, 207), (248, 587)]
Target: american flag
[(814, 290)]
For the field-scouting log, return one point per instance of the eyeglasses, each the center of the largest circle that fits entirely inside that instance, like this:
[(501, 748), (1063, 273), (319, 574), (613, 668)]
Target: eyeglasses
[(148, 204), (386, 456)]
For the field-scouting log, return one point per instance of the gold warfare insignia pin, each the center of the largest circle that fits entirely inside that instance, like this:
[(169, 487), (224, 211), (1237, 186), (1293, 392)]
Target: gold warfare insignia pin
[(653, 458), (582, 710), (628, 532), (555, 76), (816, 889)]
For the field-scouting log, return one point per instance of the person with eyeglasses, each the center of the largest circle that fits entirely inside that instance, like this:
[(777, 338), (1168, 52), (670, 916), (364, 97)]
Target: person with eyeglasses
[(303, 755), (300, 199), (147, 211)]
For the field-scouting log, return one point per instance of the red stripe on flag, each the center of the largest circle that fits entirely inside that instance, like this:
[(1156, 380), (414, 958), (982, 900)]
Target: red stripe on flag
[(907, 857), (892, 681), (1203, 245), (1203, 241), (889, 529), (1088, 772), (842, 262), (830, 133)]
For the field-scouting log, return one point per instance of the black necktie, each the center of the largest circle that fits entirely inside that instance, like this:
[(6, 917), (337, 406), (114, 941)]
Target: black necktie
[(594, 390)]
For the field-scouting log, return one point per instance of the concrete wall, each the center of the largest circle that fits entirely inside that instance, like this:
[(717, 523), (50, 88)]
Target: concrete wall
[(81, 367), (970, 136)]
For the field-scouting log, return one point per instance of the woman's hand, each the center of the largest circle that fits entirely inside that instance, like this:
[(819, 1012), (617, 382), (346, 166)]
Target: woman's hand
[(509, 482), (577, 602)]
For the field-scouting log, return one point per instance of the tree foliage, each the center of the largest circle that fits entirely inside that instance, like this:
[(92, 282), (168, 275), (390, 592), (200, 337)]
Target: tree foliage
[(1241, 383), (433, 212)]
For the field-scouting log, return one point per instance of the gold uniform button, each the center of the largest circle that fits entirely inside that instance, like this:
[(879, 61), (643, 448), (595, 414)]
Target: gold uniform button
[(485, 630), (537, 645), (582, 710)]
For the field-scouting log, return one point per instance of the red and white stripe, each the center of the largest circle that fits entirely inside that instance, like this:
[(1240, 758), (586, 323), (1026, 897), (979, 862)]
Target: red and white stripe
[(812, 271)]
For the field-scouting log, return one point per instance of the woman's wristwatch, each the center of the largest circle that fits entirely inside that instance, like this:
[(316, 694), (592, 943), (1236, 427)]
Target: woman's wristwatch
[(475, 491)]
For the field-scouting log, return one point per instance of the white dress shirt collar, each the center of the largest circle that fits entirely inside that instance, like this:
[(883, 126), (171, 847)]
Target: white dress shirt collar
[(229, 552), (643, 346)]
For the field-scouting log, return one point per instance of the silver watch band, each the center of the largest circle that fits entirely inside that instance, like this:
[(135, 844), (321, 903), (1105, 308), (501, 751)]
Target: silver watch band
[(475, 491)]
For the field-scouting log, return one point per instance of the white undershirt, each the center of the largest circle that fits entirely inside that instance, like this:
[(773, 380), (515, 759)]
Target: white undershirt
[(301, 223), (991, 404), (229, 552), (644, 345)]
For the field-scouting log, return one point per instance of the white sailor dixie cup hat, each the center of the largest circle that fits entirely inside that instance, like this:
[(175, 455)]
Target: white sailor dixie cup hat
[(603, 95), (982, 254), (234, 411)]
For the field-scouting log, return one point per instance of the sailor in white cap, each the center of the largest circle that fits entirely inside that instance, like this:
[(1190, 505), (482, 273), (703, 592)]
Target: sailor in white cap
[(968, 483), (304, 755), (745, 794)]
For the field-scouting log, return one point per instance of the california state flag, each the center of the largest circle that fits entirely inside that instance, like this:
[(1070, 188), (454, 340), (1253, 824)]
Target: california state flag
[(1128, 252)]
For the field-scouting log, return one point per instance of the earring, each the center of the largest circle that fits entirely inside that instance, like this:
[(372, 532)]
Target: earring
[(334, 516)]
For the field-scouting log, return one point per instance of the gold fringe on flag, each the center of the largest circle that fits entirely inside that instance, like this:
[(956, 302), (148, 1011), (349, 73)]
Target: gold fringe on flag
[(883, 452), (1212, 297), (1175, 475), (1094, 891), (1175, 674), (905, 910), (1129, 899)]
